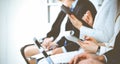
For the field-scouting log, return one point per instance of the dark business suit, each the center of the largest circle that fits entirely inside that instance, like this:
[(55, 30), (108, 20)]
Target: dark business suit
[(79, 10), (113, 56)]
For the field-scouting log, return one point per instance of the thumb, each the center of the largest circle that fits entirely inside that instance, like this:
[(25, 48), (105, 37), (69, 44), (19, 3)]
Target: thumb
[(87, 37), (80, 43)]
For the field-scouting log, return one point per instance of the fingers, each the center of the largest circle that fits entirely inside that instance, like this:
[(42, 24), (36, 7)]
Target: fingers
[(85, 18), (82, 45), (74, 60), (79, 42), (52, 46), (47, 42), (73, 18), (89, 13), (77, 23), (87, 37), (71, 61), (88, 18), (78, 58)]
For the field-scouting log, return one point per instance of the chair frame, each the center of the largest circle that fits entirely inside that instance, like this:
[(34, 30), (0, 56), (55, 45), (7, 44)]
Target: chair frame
[(22, 50)]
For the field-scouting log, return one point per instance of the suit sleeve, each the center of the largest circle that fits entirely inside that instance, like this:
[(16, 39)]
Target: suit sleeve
[(55, 30), (113, 56)]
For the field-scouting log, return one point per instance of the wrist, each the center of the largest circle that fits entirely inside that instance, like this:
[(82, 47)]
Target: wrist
[(80, 25), (101, 58), (97, 50)]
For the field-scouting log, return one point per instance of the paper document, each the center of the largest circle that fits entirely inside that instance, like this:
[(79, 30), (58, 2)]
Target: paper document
[(60, 58)]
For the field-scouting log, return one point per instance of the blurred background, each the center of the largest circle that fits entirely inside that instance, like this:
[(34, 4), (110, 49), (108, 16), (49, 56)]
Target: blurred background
[(21, 21)]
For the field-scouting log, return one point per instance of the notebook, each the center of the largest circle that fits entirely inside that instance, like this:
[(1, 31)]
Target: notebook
[(63, 58)]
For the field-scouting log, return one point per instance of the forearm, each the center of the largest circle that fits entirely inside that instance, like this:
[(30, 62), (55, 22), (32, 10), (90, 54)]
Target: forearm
[(100, 35)]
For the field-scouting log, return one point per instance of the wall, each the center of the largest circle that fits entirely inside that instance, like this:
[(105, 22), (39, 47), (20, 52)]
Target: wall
[(3, 31), (20, 22)]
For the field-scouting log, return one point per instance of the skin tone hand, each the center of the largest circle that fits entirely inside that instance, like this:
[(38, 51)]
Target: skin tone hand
[(93, 40), (90, 39), (89, 45), (75, 21), (90, 61), (52, 46), (48, 43), (88, 18), (87, 58)]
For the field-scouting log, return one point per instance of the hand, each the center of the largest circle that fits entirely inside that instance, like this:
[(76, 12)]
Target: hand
[(89, 45), (90, 39), (88, 18), (90, 61), (52, 46), (81, 57), (86, 58), (46, 42), (93, 40), (75, 21)]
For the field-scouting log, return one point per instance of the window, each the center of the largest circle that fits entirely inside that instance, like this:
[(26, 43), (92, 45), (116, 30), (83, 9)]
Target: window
[(53, 10)]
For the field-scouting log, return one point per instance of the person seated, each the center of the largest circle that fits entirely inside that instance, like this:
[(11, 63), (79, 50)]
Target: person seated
[(103, 26), (78, 8), (110, 57), (90, 45)]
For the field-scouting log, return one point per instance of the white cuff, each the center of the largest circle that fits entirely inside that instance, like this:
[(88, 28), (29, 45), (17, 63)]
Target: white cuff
[(105, 58), (63, 49), (102, 50)]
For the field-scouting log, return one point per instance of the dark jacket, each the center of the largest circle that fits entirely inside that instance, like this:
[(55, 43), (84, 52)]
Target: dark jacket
[(113, 56), (79, 10)]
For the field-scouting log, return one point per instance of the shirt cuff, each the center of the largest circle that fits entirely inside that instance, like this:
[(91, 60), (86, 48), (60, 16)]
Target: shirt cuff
[(105, 58), (103, 50), (63, 49)]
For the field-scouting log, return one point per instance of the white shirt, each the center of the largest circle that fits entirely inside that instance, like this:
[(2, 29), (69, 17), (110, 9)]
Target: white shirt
[(104, 23), (73, 5), (111, 43)]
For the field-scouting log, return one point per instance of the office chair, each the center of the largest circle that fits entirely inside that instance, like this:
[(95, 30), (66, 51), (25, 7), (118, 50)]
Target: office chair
[(27, 51)]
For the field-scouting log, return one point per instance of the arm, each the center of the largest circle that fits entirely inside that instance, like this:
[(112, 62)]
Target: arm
[(113, 56), (92, 46), (86, 58), (102, 30), (110, 45), (55, 30)]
